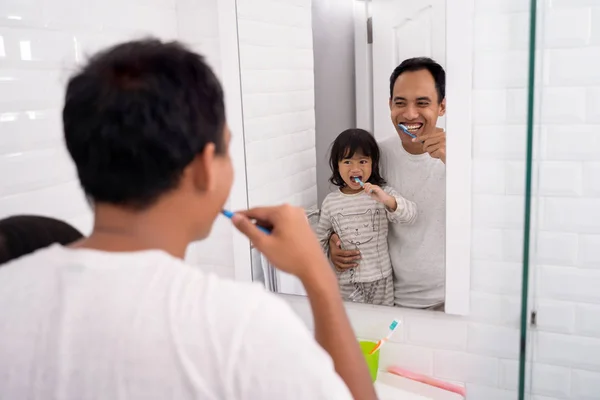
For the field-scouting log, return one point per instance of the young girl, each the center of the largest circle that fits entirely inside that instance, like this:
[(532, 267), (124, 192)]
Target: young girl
[(359, 213)]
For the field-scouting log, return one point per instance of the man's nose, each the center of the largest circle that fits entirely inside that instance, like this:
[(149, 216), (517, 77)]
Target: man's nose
[(410, 113)]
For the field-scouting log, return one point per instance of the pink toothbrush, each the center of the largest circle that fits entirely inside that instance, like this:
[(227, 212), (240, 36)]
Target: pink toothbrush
[(427, 380)]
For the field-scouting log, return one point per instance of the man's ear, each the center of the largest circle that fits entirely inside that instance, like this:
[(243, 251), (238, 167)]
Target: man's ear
[(442, 111), (202, 169)]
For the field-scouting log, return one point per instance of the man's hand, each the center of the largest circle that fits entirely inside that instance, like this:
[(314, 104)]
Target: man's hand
[(342, 259), (434, 143)]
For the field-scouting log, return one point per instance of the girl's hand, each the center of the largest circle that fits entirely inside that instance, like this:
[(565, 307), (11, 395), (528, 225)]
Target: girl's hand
[(377, 194)]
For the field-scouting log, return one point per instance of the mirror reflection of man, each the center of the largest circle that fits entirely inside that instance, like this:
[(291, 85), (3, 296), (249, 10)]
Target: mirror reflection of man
[(416, 167)]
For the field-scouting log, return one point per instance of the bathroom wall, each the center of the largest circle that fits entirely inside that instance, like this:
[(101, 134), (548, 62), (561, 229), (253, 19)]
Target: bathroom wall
[(41, 41), (276, 62), (335, 101), (565, 278), (482, 350)]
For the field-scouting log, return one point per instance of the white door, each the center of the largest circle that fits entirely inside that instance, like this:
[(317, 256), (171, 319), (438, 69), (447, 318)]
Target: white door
[(403, 29)]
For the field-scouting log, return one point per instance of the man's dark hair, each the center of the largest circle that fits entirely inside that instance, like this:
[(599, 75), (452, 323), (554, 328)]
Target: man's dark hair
[(418, 64), (136, 115)]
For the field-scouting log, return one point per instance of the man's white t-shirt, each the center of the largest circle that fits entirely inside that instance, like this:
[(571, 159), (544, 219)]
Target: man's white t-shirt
[(85, 324), (417, 251)]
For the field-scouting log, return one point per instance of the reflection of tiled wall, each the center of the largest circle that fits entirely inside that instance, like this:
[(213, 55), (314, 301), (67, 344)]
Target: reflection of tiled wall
[(276, 60), (482, 350), (41, 41)]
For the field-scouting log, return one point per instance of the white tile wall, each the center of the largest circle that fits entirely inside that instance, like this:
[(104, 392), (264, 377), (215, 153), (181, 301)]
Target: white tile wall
[(41, 41), (479, 350), (482, 350), (276, 61)]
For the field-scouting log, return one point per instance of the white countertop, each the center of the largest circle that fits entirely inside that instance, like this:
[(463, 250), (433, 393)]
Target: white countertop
[(393, 387)]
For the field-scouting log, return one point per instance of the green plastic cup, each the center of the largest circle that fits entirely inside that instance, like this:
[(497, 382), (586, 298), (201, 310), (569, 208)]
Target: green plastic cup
[(372, 359)]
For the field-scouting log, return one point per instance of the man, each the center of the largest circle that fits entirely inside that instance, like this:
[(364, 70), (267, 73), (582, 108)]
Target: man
[(416, 167), (119, 315)]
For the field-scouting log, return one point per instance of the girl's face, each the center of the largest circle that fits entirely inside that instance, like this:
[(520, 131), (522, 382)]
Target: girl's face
[(358, 166)]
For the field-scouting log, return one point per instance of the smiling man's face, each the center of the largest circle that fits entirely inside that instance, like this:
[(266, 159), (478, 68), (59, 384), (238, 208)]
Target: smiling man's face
[(415, 104)]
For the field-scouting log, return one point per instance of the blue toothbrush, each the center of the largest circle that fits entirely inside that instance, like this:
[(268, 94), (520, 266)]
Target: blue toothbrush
[(359, 182), (405, 130), (229, 215)]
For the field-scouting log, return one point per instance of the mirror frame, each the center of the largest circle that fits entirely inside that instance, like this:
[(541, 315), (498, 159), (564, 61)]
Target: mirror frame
[(459, 66)]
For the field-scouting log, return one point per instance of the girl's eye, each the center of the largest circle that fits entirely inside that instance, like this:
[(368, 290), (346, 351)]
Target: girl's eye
[(363, 161)]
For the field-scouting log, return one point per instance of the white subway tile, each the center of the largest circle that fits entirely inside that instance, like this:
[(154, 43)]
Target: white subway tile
[(494, 69), (278, 81), (489, 176), (371, 322), (591, 183), (574, 66), (556, 248), (274, 58), (561, 178), (568, 351), (560, 146), (437, 333), (587, 320), (48, 202), (585, 385), (37, 170), (197, 21), (493, 340), (264, 34), (568, 283), (495, 309), (486, 244), (541, 379), (489, 106), (21, 13), (501, 32), (566, 27), (465, 367), (496, 277), (555, 316), (550, 380), (264, 104), (276, 13), (570, 214), (413, 358), (500, 7), (31, 48), (515, 177), (563, 105), (483, 392), (499, 142), (572, 3), (493, 211), (589, 251), (19, 131)]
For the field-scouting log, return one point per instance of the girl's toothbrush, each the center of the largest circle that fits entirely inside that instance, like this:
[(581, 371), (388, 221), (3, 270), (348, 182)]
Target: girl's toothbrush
[(229, 215), (393, 327), (359, 182), (405, 130)]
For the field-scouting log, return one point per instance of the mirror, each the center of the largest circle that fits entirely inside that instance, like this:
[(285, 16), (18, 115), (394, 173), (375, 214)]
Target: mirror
[(325, 130)]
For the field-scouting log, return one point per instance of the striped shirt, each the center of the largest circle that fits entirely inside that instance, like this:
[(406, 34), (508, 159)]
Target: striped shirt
[(362, 224)]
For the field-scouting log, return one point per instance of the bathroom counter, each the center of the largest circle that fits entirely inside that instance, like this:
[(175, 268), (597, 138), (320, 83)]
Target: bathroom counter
[(394, 387)]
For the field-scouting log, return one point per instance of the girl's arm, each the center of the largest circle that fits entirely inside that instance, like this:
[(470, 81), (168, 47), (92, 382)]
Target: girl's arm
[(406, 211)]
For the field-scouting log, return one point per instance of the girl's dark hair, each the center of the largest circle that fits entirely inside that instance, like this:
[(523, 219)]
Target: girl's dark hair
[(345, 145), (24, 234)]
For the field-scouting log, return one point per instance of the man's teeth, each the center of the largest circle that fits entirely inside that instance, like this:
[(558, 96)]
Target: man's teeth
[(413, 127)]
